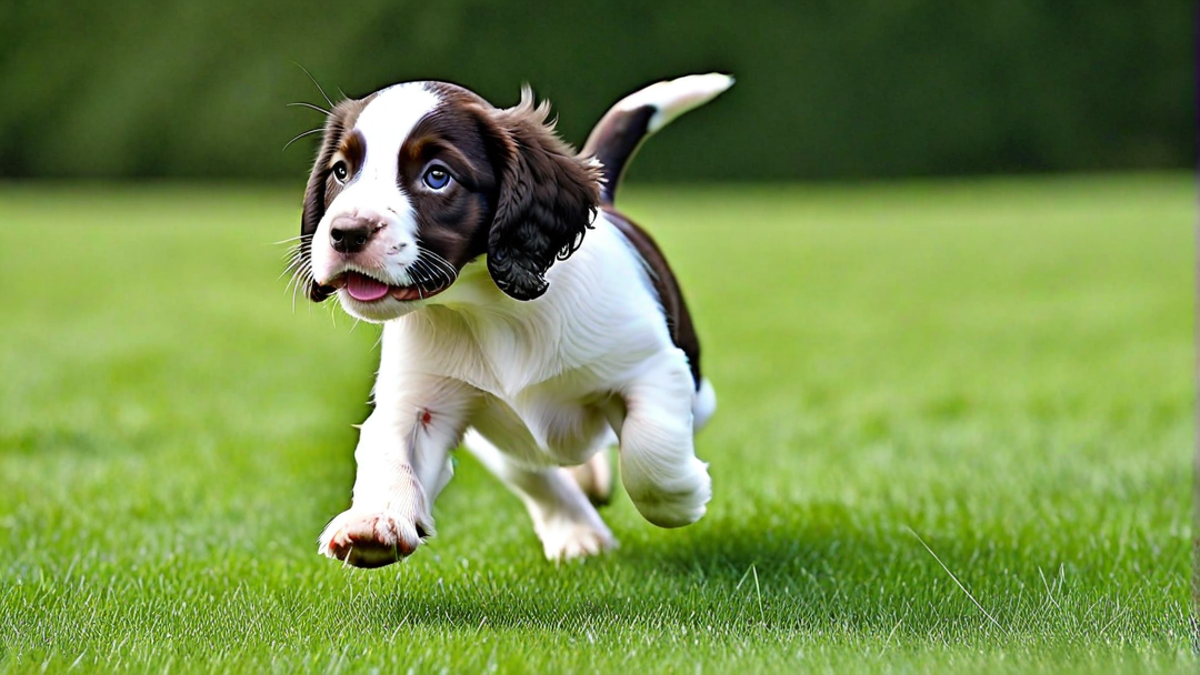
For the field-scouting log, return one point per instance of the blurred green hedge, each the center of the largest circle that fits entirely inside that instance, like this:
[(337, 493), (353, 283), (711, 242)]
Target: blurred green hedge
[(826, 89)]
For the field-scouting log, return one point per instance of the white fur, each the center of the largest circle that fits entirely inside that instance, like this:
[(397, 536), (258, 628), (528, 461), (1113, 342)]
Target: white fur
[(673, 98), (563, 518), (534, 386), (543, 384), (374, 192)]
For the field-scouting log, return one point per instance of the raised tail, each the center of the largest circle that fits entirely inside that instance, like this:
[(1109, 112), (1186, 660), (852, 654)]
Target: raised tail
[(618, 135)]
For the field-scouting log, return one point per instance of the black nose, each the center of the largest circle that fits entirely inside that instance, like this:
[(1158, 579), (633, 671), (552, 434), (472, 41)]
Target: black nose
[(350, 235)]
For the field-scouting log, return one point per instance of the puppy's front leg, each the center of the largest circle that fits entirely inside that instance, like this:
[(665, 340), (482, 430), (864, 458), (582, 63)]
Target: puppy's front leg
[(403, 463)]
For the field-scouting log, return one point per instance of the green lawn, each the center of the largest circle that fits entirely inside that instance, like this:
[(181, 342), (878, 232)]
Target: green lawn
[(1001, 369)]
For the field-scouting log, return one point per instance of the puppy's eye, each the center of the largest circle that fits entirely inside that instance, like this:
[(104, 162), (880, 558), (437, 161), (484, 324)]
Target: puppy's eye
[(341, 172), (437, 178)]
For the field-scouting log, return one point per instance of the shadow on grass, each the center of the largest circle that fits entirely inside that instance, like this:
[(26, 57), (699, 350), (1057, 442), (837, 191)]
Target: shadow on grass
[(828, 574)]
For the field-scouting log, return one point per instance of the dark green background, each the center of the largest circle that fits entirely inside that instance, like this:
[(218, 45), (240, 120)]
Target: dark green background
[(849, 89)]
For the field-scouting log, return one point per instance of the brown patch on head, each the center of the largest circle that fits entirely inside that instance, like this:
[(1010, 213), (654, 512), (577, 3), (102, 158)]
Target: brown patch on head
[(338, 142), (518, 193), (452, 222), (353, 150)]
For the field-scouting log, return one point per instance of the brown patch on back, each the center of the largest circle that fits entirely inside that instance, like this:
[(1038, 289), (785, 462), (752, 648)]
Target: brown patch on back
[(679, 320)]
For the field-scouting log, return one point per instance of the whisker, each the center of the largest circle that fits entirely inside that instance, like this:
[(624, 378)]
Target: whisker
[(423, 267), (290, 270), (306, 281), (415, 269), (310, 106), (302, 135), (294, 285), (432, 257), (438, 259), (293, 253), (449, 274), (294, 256), (442, 265), (433, 272), (289, 240), (298, 274), (333, 313), (418, 274), (301, 275), (291, 291), (314, 81), (438, 277)]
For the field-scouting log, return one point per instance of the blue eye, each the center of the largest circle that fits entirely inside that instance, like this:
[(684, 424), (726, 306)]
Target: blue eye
[(437, 178)]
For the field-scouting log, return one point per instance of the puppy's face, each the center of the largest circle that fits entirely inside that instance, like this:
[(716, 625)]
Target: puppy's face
[(419, 179)]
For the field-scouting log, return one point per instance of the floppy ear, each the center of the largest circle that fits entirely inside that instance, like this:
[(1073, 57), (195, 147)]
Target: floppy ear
[(314, 210), (314, 197), (547, 199)]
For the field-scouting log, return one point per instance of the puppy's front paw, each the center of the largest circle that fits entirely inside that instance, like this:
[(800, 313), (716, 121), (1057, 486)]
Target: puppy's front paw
[(372, 539)]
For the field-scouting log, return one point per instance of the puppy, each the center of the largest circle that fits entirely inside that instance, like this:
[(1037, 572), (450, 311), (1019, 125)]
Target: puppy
[(524, 316)]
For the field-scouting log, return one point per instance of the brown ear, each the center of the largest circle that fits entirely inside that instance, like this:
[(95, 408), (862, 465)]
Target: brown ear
[(547, 199), (342, 117), (314, 210)]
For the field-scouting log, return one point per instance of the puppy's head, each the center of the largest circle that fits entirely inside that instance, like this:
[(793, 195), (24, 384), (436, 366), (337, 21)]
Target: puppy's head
[(417, 180)]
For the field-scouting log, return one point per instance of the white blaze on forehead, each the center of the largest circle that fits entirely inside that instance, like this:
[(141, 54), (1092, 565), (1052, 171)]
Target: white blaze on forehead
[(374, 192), (387, 121)]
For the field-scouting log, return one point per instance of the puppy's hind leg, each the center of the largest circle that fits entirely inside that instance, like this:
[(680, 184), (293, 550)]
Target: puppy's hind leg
[(595, 475), (564, 519), (659, 469)]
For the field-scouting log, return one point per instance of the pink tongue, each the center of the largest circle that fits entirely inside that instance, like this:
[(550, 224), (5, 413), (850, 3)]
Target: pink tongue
[(364, 288)]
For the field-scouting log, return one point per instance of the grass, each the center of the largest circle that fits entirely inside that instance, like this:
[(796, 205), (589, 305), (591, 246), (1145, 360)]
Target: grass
[(953, 436)]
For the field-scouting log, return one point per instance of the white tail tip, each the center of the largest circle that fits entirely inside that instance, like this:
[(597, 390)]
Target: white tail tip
[(672, 98)]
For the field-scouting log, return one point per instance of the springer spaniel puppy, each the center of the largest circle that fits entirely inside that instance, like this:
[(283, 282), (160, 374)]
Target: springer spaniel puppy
[(523, 315)]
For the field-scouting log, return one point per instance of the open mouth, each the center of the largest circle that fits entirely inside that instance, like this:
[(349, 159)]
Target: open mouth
[(368, 289)]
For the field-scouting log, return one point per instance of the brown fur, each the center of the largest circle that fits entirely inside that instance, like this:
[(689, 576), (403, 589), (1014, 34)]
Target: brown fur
[(322, 188), (451, 223), (520, 195), (679, 319), (548, 197)]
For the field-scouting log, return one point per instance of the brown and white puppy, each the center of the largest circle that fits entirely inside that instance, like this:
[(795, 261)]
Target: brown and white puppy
[(523, 315)]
